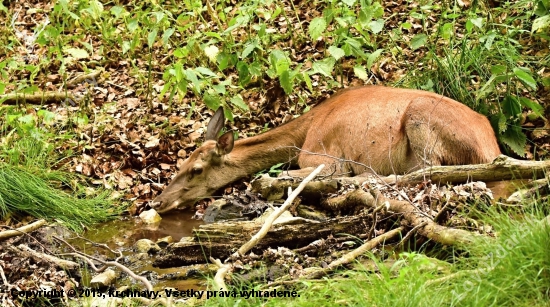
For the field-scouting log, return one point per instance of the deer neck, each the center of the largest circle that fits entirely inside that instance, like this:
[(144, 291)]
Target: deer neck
[(262, 151)]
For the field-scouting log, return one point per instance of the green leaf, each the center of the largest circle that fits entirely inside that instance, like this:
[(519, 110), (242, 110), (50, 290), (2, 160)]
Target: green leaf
[(336, 52), (428, 86), (212, 101), (541, 23), (478, 22), (525, 77), (125, 46), (489, 39), (166, 35), (365, 16), (2, 87), (377, 10), (511, 106), (238, 101), (307, 79), (498, 69), (181, 53), (81, 119), (514, 138), (248, 49), (255, 69), (279, 61), (418, 41), (244, 74), (469, 26), (151, 37), (213, 34), (286, 82), (361, 73), (316, 27), (543, 7), (77, 53), (48, 117), (372, 57), (132, 25), (27, 119), (228, 114), (117, 11), (205, 72), (532, 105), (223, 60), (349, 2), (95, 9), (159, 16), (219, 88), (192, 77), (324, 67), (501, 123), (446, 30), (376, 26)]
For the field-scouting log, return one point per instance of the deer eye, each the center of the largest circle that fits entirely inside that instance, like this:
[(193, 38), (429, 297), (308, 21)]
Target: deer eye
[(196, 170)]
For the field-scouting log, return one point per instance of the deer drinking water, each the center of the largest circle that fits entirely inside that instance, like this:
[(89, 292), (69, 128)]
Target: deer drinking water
[(390, 130)]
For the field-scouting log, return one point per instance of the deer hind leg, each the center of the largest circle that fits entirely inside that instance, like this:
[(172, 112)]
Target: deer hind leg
[(425, 135)]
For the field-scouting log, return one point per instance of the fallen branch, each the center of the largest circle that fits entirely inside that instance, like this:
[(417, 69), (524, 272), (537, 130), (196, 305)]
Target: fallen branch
[(36, 98), (88, 78), (431, 230), (502, 168), (351, 256), (22, 230), (223, 269), (38, 256), (89, 259)]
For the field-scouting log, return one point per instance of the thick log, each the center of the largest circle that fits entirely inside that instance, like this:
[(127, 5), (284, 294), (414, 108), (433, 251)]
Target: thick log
[(218, 240)]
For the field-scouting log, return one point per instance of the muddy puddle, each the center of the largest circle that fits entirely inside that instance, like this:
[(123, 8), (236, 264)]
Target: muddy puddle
[(122, 234)]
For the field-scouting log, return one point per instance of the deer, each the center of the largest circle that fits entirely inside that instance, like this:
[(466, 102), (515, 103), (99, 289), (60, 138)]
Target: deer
[(385, 130)]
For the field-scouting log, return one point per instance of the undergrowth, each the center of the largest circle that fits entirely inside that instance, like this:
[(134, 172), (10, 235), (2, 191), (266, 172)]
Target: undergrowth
[(512, 269)]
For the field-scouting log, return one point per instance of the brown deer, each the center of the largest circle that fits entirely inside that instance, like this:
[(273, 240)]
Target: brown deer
[(390, 130)]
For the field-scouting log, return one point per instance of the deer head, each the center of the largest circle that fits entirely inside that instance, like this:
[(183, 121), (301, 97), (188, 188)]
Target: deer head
[(197, 177)]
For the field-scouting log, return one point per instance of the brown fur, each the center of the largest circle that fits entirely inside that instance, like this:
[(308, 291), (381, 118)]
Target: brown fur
[(390, 130)]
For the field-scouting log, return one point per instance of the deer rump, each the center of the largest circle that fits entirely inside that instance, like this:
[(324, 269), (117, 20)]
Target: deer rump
[(390, 130)]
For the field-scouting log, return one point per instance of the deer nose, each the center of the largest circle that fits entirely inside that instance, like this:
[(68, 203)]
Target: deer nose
[(155, 204)]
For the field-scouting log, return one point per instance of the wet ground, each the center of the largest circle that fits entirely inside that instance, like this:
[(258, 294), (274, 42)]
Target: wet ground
[(123, 233)]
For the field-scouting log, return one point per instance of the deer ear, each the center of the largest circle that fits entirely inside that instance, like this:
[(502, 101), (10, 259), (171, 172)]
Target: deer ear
[(225, 143), (215, 125)]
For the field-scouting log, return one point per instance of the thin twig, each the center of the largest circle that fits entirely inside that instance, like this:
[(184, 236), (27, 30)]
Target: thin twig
[(88, 259)]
